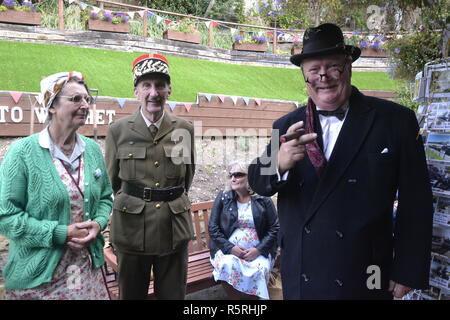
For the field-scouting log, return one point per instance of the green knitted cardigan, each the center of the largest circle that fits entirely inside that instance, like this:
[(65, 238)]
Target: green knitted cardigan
[(35, 210)]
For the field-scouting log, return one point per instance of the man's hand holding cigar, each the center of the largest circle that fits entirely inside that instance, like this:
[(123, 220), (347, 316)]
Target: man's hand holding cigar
[(292, 148)]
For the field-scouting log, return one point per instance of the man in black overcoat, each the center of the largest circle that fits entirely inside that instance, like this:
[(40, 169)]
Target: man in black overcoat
[(337, 182)]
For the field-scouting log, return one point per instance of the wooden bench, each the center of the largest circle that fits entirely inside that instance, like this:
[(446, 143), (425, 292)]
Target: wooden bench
[(199, 274)]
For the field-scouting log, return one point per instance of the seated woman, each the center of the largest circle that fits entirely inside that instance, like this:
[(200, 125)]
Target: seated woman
[(55, 198), (243, 237)]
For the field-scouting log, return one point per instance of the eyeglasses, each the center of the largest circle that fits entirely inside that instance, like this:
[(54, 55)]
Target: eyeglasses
[(333, 72), (78, 98), (236, 174)]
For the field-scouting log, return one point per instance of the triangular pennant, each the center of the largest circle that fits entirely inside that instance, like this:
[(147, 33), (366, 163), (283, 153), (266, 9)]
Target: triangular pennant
[(221, 98), (158, 19), (207, 23), (121, 102), (172, 105), (215, 24), (246, 100), (96, 9), (167, 21), (150, 14), (83, 5), (233, 31), (234, 99), (269, 33), (15, 95), (71, 1), (108, 11), (258, 101), (208, 97), (141, 13), (188, 106)]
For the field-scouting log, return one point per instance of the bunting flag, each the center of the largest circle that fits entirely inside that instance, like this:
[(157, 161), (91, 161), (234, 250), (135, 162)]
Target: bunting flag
[(83, 5), (233, 31), (221, 98), (15, 95), (241, 32), (150, 14), (208, 23), (246, 100), (208, 97), (234, 99), (158, 19), (269, 33), (167, 21), (141, 13), (121, 102), (260, 33), (96, 9), (258, 102), (131, 14), (172, 105), (71, 1), (188, 106), (215, 24)]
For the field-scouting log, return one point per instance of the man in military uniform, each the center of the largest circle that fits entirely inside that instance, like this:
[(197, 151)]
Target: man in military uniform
[(150, 160)]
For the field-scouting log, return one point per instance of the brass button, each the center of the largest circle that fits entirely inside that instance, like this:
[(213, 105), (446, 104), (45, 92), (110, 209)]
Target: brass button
[(156, 164), (157, 184), (158, 206), (130, 155)]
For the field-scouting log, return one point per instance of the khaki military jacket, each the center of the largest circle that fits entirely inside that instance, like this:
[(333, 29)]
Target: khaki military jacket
[(132, 155)]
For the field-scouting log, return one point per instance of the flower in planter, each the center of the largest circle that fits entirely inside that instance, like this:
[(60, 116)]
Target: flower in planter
[(247, 38), (93, 15), (183, 26), (27, 6), (109, 17)]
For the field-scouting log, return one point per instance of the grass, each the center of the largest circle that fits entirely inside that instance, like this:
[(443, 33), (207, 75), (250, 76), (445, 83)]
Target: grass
[(24, 64)]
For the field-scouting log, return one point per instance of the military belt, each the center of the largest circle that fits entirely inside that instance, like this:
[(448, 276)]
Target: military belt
[(152, 194)]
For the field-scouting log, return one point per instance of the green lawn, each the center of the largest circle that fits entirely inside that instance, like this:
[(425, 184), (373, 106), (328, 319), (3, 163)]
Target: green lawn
[(22, 65)]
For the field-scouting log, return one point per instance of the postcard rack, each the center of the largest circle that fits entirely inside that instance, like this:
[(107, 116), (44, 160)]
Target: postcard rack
[(432, 91)]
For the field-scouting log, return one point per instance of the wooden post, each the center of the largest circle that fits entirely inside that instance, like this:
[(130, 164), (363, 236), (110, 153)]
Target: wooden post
[(61, 14), (145, 24), (211, 34), (274, 44)]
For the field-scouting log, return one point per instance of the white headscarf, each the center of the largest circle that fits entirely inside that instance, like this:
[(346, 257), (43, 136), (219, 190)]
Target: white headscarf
[(52, 85)]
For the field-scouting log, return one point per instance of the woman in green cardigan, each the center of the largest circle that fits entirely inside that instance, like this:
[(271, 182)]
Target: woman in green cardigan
[(55, 199)]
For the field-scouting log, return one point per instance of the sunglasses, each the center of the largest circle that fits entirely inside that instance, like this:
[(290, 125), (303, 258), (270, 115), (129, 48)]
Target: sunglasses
[(236, 174), (78, 98)]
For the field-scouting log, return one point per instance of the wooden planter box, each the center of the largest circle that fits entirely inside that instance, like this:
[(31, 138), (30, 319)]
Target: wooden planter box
[(100, 25), (370, 52), (296, 50), (182, 36), (257, 47), (20, 17)]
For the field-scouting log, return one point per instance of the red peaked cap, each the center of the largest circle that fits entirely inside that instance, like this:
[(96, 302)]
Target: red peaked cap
[(150, 63)]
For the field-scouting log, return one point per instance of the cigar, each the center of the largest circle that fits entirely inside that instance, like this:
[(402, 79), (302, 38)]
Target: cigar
[(294, 135)]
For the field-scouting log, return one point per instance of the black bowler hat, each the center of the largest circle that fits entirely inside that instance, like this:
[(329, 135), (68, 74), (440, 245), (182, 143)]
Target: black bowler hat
[(323, 40)]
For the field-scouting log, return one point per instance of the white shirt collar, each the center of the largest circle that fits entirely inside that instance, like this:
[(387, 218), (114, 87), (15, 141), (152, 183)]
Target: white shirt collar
[(45, 141), (157, 123)]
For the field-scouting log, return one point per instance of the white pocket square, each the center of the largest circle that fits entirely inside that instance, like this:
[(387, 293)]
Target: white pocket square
[(385, 150)]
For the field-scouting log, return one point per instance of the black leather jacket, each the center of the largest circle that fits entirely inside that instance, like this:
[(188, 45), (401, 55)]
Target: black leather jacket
[(224, 220)]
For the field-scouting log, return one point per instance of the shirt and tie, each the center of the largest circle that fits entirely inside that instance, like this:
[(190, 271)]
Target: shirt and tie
[(153, 126)]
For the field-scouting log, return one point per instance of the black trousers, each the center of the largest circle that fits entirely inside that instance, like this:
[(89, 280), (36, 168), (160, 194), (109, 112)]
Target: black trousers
[(169, 272)]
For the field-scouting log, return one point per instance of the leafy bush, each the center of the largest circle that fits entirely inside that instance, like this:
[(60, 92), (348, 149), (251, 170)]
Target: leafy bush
[(410, 52)]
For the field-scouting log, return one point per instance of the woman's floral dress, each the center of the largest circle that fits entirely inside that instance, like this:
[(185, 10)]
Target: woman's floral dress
[(74, 278), (248, 277)]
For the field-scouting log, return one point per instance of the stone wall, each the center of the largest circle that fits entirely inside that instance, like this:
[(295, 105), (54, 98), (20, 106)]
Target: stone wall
[(134, 43)]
